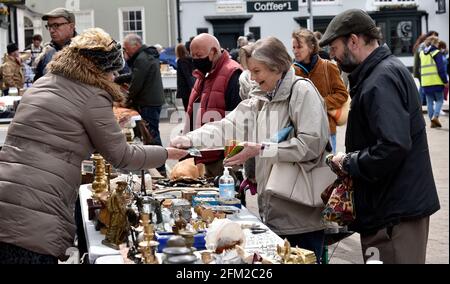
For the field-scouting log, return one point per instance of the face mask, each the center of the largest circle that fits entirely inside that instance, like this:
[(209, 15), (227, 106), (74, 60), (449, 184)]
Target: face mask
[(203, 65)]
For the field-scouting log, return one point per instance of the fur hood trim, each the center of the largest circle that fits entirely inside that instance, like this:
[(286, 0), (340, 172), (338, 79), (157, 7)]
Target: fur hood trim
[(70, 64)]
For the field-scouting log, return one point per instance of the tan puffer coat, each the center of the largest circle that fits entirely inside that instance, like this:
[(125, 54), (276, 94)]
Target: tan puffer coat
[(60, 121), (12, 73)]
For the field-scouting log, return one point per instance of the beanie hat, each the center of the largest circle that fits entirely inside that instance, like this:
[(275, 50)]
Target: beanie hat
[(98, 47), (12, 47), (107, 61)]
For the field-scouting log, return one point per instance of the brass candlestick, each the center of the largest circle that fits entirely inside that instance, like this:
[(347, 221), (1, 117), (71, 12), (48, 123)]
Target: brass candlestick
[(188, 236), (148, 246), (100, 184)]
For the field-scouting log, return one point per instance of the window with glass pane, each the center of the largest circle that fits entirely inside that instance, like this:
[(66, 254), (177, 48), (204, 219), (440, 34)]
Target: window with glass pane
[(401, 33), (132, 22)]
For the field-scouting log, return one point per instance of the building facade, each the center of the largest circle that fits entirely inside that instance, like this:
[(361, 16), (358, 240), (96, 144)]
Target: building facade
[(153, 20), (401, 21)]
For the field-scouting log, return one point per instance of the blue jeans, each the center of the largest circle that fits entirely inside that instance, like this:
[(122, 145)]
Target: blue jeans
[(333, 142), (151, 115), (435, 100), (312, 241), (422, 97)]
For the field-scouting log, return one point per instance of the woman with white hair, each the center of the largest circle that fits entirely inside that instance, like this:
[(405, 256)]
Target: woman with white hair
[(61, 121), (279, 99)]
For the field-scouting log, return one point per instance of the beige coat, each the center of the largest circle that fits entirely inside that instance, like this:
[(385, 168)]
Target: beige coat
[(59, 123), (12, 73), (247, 123)]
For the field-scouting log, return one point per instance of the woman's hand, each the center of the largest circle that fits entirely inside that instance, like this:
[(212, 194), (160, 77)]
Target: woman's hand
[(175, 154), (250, 150), (181, 142)]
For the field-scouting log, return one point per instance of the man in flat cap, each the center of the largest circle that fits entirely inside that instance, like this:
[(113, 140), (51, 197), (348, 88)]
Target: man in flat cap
[(61, 25), (387, 150)]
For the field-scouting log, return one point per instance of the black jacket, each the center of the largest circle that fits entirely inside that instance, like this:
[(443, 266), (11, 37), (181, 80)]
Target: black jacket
[(146, 88), (185, 80), (390, 161)]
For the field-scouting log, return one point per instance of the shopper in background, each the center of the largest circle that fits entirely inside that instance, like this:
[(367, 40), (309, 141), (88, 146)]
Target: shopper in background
[(215, 92), (185, 80), (146, 93), (61, 26), (36, 48), (433, 79), (11, 69), (323, 73), (419, 46)]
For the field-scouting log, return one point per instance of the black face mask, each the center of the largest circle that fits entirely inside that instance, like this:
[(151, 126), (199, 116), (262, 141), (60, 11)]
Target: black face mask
[(203, 65)]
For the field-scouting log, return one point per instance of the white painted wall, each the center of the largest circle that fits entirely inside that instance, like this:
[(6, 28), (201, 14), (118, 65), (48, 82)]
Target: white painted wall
[(437, 22), (3, 41)]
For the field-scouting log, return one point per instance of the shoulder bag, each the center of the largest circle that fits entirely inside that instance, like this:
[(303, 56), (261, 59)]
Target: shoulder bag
[(290, 180)]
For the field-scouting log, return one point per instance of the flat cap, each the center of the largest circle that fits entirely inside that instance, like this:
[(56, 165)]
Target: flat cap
[(60, 12), (353, 21)]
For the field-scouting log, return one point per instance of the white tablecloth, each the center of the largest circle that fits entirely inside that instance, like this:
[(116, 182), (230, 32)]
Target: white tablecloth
[(93, 238), (99, 253), (169, 81)]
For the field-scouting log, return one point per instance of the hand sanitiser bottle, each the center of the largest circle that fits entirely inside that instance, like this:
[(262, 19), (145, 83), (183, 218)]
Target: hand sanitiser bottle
[(226, 185)]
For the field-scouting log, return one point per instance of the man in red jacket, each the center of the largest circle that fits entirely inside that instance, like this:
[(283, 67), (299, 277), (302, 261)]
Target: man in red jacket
[(215, 92)]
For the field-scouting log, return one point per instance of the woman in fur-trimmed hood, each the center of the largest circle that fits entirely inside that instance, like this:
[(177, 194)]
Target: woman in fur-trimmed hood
[(61, 120)]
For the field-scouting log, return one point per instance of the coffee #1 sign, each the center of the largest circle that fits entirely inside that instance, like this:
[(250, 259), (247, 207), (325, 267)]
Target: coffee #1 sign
[(271, 6)]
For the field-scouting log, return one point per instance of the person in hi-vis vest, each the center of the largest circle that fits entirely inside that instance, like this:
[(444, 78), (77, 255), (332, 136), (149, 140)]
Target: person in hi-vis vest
[(433, 79)]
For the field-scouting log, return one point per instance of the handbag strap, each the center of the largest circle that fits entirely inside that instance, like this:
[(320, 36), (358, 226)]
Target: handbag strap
[(292, 88), (328, 147), (327, 81)]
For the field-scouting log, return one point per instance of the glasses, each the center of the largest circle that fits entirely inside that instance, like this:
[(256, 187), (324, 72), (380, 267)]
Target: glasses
[(55, 26)]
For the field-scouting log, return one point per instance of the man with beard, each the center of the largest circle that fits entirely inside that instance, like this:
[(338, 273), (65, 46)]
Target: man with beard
[(387, 150), (215, 92)]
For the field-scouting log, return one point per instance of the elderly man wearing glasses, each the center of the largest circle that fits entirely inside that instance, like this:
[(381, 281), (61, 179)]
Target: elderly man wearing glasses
[(61, 26)]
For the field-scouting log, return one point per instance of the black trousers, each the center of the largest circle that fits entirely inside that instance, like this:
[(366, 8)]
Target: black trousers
[(82, 246)]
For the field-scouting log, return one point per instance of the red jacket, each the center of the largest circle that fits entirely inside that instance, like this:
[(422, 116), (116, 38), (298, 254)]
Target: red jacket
[(210, 91)]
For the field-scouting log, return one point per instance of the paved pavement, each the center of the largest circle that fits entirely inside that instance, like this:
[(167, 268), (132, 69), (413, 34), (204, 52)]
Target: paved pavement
[(349, 250)]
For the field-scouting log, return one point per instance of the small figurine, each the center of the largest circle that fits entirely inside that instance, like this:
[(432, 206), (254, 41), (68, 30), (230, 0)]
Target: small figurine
[(295, 255), (118, 226)]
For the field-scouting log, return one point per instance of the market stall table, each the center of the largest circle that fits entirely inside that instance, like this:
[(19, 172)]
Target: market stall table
[(99, 253)]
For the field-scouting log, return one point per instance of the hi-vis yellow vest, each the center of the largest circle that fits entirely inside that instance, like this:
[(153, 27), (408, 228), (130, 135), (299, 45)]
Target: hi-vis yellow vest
[(429, 75)]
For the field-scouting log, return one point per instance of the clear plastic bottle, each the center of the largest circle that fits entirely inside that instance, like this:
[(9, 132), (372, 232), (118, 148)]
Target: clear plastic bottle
[(226, 185)]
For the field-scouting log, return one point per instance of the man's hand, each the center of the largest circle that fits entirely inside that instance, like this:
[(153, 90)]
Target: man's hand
[(250, 150), (181, 142), (175, 154), (338, 160)]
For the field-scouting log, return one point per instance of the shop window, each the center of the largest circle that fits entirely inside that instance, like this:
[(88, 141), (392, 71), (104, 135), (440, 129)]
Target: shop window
[(402, 39), (202, 31), (29, 30), (256, 32), (399, 33)]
